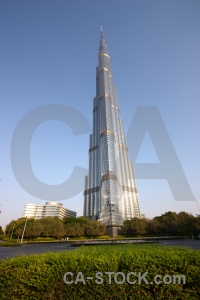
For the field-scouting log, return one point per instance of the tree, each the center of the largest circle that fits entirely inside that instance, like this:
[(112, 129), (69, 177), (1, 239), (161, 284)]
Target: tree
[(186, 223), (14, 224), (74, 230), (33, 229), (197, 225), (9, 227), (135, 226), (59, 231), (18, 231), (1, 231), (52, 227), (94, 228), (155, 226), (18, 226), (170, 223)]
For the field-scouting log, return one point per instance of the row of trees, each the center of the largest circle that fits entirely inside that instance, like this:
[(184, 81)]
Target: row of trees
[(55, 228), (170, 223)]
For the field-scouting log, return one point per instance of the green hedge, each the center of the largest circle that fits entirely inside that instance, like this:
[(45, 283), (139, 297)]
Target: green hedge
[(41, 276), (4, 244)]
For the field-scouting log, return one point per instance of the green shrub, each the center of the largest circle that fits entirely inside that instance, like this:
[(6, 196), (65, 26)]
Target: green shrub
[(41, 276), (4, 244), (103, 237), (43, 239), (5, 238)]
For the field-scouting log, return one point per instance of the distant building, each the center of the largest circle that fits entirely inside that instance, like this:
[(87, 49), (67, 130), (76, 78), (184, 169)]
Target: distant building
[(50, 209)]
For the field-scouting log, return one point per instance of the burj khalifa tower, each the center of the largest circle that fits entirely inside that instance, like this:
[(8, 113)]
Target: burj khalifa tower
[(110, 193)]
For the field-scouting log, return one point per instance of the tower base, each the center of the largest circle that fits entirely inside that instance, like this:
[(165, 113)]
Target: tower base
[(113, 231)]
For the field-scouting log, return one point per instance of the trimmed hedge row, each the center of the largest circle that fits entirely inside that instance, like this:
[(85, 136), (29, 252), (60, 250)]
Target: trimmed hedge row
[(4, 244), (41, 276)]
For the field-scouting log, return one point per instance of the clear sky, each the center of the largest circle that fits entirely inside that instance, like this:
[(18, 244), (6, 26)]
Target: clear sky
[(48, 55)]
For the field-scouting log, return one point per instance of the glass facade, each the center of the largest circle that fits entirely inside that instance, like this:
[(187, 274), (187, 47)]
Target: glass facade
[(110, 190)]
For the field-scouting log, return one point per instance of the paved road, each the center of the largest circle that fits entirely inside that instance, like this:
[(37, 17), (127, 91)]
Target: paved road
[(194, 244), (8, 252), (41, 248)]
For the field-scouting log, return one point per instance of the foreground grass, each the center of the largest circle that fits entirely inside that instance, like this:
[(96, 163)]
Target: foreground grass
[(41, 276)]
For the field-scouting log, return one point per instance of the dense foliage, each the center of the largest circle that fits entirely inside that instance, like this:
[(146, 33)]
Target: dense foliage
[(41, 276), (170, 224), (55, 228)]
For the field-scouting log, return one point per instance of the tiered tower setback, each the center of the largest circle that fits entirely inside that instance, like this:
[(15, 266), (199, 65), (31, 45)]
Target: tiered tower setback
[(110, 190)]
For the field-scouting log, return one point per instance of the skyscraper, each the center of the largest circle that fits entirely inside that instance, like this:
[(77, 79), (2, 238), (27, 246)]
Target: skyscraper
[(110, 190)]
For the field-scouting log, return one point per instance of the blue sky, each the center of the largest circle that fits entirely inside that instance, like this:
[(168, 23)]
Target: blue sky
[(48, 55)]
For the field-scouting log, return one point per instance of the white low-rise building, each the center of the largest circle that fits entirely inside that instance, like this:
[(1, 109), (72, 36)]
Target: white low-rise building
[(50, 209)]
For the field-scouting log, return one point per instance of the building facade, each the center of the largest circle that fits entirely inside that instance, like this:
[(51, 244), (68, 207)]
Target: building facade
[(50, 209), (110, 190)]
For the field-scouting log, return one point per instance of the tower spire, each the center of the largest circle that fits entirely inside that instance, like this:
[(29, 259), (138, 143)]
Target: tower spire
[(103, 47)]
